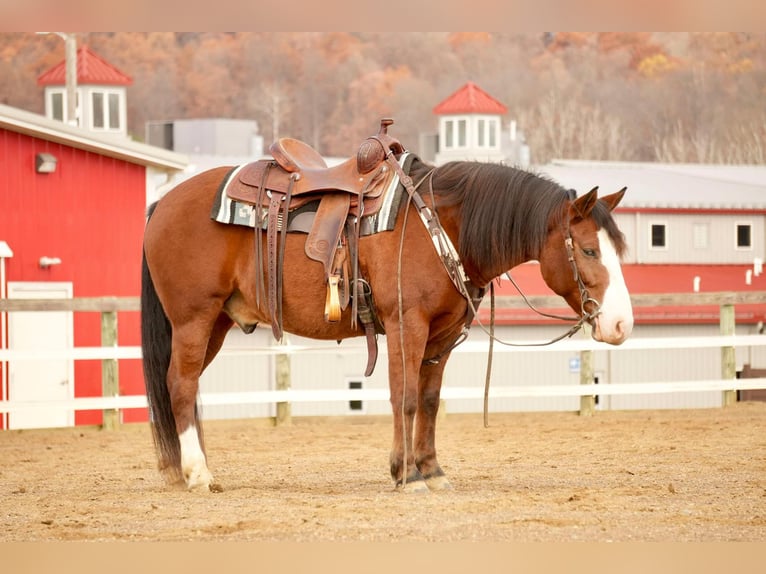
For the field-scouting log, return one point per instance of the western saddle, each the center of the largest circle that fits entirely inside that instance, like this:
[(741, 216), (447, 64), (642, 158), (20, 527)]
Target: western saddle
[(297, 176)]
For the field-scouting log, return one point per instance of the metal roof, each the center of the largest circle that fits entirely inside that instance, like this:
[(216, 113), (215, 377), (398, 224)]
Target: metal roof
[(666, 186), (119, 147), (92, 69), (470, 99)]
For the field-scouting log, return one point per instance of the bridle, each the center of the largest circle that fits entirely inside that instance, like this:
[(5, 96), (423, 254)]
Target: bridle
[(585, 298)]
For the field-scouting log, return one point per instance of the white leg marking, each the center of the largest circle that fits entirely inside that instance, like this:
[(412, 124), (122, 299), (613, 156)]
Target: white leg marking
[(615, 322), (193, 462)]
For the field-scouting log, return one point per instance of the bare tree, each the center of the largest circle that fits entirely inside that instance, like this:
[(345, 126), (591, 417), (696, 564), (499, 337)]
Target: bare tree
[(272, 100), (570, 128)]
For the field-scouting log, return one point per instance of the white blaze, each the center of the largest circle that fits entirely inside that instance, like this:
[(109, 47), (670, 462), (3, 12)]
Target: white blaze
[(615, 322)]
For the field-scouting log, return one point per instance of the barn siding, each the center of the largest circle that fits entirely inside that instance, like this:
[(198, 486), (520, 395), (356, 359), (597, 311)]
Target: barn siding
[(680, 249), (90, 213)]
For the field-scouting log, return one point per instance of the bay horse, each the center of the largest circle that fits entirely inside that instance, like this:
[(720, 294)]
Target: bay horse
[(198, 281)]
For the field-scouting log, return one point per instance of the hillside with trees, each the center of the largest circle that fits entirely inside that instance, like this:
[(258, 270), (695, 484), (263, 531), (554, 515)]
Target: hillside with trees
[(674, 97)]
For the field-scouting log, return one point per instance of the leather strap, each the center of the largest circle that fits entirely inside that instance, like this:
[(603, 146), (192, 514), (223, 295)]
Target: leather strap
[(259, 216), (363, 300), (271, 238)]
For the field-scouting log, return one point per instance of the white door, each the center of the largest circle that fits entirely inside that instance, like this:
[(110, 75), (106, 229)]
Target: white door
[(43, 379)]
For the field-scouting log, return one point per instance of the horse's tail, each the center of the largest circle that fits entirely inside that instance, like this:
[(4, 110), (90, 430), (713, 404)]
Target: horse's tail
[(156, 335)]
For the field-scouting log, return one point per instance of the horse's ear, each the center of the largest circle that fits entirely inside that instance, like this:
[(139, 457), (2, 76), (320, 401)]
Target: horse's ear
[(582, 206), (613, 199)]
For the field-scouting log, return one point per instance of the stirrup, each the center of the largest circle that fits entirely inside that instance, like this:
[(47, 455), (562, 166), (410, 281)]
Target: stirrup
[(332, 303)]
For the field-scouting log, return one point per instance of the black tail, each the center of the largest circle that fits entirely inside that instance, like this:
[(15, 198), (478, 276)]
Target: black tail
[(156, 335)]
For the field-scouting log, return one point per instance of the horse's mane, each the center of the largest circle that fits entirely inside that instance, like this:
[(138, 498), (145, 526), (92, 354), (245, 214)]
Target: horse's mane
[(505, 211), (497, 203)]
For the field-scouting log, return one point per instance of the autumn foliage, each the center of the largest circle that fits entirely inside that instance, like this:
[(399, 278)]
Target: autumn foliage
[(611, 95)]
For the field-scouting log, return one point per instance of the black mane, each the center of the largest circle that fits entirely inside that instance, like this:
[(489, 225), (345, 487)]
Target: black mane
[(504, 211)]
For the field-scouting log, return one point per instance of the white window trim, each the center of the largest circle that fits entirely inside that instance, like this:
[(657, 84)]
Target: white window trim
[(491, 130), (106, 92), (737, 224), (649, 236), (60, 91), (456, 120)]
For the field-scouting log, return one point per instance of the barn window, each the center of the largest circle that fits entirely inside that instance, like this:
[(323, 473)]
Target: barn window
[(486, 133), (658, 236), (461, 133), (455, 133), (57, 106), (105, 109), (744, 236), (355, 406)]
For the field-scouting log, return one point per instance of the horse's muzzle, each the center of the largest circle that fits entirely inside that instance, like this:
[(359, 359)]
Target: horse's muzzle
[(612, 332)]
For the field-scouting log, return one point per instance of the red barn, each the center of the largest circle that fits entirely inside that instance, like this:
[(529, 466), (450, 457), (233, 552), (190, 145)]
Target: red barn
[(72, 211)]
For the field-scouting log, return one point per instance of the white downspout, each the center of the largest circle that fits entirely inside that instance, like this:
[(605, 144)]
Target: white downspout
[(5, 252)]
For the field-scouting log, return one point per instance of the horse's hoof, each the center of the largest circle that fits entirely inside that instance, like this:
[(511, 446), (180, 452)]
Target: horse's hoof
[(438, 483), (201, 481), (416, 486)]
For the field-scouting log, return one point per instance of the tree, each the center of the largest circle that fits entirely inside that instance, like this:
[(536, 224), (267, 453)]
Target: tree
[(570, 128)]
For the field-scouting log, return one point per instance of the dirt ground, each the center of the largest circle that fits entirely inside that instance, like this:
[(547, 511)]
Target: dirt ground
[(684, 475)]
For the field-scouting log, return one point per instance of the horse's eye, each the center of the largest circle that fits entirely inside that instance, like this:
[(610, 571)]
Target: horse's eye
[(590, 252)]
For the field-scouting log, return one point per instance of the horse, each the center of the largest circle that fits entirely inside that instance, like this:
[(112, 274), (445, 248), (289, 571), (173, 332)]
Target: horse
[(198, 282)]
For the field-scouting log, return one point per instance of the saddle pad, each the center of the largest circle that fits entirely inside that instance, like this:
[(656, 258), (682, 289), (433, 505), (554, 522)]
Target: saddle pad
[(230, 212)]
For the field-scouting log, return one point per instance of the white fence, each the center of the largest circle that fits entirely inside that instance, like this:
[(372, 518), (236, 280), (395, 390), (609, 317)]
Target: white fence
[(297, 395), (110, 353)]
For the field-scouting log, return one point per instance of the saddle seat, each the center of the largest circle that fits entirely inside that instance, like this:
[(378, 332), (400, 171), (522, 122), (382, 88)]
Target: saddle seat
[(295, 156)]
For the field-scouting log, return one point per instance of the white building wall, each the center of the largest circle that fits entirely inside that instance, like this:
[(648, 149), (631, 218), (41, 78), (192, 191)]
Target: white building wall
[(249, 371), (685, 244)]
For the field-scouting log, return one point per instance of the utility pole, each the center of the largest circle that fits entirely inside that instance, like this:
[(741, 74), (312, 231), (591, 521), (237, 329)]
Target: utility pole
[(70, 41), (70, 55)]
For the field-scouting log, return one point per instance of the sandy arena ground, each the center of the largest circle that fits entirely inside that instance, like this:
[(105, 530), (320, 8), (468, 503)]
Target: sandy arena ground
[(685, 475)]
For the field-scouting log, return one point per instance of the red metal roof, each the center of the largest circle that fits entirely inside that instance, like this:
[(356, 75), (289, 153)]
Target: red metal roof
[(470, 99), (647, 279), (91, 69)]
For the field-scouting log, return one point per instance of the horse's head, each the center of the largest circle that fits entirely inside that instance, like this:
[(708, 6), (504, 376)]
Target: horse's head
[(581, 262)]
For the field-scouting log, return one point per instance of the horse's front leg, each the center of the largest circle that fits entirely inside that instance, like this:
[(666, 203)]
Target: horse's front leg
[(403, 374), (429, 390)]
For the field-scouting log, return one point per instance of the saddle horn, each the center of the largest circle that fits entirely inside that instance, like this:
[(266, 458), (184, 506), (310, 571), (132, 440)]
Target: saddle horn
[(376, 148)]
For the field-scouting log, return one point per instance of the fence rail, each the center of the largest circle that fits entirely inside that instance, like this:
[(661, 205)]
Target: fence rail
[(110, 352)]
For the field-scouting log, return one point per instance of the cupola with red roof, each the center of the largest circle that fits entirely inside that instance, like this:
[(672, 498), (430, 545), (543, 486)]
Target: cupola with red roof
[(470, 123), (101, 93)]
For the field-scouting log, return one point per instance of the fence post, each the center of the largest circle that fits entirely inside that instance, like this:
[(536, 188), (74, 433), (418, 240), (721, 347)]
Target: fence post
[(587, 402), (728, 354), (282, 368), (110, 377)]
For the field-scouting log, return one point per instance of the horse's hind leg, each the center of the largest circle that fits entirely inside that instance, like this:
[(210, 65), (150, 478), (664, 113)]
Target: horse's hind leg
[(188, 356), (425, 430)]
